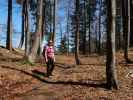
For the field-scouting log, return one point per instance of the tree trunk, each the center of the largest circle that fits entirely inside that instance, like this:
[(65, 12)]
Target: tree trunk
[(131, 18), (99, 44), (61, 31), (54, 11), (39, 52), (68, 14), (43, 20), (126, 27), (33, 54), (84, 34), (77, 33), (23, 26), (110, 64), (50, 17), (96, 32), (27, 33), (89, 45), (128, 34), (9, 27)]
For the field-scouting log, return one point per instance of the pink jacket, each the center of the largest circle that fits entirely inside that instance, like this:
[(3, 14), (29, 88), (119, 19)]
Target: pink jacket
[(49, 52)]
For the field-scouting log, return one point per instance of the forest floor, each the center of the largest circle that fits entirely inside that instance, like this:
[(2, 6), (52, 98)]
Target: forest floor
[(20, 80)]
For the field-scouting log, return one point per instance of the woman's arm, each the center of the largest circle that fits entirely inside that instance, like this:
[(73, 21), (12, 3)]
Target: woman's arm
[(46, 59), (54, 58), (54, 54)]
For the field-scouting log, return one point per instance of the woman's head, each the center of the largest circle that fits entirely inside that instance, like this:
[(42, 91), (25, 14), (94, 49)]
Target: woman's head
[(50, 43)]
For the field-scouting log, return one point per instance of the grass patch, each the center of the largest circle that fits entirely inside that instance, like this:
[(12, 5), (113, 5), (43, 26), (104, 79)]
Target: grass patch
[(24, 62), (44, 65)]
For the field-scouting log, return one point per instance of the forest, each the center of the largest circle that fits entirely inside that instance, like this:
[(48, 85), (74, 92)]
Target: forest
[(92, 50)]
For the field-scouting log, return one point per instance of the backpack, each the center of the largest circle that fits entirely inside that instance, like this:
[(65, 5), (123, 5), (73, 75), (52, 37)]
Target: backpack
[(44, 48)]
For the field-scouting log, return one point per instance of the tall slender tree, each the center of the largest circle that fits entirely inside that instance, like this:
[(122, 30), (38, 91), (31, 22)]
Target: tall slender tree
[(110, 64), (99, 45), (27, 33), (50, 16), (131, 18), (43, 18), (77, 32), (129, 23), (89, 25), (9, 27), (23, 25), (54, 22), (67, 30), (84, 36), (126, 27)]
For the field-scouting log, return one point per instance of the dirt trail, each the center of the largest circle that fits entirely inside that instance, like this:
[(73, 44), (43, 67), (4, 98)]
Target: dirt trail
[(22, 81)]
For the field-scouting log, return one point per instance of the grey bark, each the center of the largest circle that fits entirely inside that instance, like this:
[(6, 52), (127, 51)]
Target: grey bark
[(33, 54), (23, 26), (27, 33), (110, 64)]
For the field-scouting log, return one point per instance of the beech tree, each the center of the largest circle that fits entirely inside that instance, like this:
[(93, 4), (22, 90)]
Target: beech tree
[(110, 64), (27, 33), (33, 54)]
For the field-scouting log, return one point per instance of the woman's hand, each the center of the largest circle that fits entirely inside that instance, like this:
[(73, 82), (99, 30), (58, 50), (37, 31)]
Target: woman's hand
[(46, 60), (54, 60)]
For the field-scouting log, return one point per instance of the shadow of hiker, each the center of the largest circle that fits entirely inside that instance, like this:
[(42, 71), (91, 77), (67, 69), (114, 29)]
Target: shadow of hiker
[(90, 83)]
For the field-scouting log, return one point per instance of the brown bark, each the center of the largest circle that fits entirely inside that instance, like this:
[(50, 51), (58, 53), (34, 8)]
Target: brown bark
[(77, 33), (9, 27)]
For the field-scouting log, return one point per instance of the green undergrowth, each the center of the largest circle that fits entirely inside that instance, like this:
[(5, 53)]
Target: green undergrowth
[(23, 62)]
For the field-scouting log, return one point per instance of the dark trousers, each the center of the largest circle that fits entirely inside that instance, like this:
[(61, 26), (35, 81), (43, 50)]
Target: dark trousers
[(50, 66)]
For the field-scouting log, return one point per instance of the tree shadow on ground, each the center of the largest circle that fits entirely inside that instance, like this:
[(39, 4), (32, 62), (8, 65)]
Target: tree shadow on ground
[(64, 66), (89, 83), (93, 64), (10, 59), (123, 62), (67, 66), (39, 73)]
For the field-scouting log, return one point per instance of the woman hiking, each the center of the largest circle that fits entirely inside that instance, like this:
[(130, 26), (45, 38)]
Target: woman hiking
[(48, 53)]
